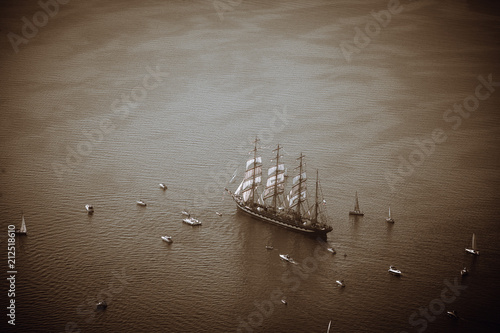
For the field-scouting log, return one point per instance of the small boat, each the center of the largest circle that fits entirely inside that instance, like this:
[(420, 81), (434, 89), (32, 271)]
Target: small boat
[(464, 271), (141, 203), (473, 249), (167, 239), (191, 221), (220, 214), (340, 283), (452, 314), (389, 218), (23, 230), (286, 257), (101, 305), (163, 186), (185, 213), (356, 210), (332, 250), (284, 301), (89, 208), (269, 247), (393, 270)]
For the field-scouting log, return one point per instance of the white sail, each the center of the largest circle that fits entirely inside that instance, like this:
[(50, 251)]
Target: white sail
[(249, 173), (269, 192), (272, 180), (246, 195), (356, 203), (23, 226), (302, 177), (238, 190), (281, 167), (252, 160), (294, 200), (389, 212)]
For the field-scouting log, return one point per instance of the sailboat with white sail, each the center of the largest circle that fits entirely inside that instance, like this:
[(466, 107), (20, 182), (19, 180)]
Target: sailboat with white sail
[(473, 249), (22, 230), (292, 212), (356, 210), (389, 219)]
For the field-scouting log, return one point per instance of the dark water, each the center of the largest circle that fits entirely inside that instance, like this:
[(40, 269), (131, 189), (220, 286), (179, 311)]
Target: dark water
[(84, 121)]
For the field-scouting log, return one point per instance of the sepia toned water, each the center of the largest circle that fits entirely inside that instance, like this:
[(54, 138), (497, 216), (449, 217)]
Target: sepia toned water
[(108, 99)]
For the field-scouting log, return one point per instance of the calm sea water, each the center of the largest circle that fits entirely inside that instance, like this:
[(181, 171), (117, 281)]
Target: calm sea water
[(84, 120)]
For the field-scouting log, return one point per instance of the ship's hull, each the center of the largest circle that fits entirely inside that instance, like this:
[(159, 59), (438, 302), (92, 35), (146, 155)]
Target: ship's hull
[(278, 222)]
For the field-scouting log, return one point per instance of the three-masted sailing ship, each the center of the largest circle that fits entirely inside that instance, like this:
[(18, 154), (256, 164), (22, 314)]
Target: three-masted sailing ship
[(292, 211)]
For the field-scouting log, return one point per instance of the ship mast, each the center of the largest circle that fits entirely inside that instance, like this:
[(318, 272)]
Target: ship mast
[(300, 184), (275, 194), (253, 172), (316, 204)]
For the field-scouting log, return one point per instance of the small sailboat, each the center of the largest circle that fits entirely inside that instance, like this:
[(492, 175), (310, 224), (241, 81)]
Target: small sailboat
[(167, 239), (389, 218), (340, 283), (90, 209), (473, 249), (23, 230), (141, 203), (394, 271), (163, 186), (356, 210)]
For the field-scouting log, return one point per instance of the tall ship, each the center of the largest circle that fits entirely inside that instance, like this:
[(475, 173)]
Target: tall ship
[(271, 205)]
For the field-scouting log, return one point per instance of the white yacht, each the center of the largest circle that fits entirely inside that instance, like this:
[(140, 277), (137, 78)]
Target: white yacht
[(167, 239), (393, 270), (141, 203), (286, 257), (89, 208), (191, 221)]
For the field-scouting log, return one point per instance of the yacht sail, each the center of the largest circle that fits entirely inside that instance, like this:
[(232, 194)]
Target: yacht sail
[(23, 230)]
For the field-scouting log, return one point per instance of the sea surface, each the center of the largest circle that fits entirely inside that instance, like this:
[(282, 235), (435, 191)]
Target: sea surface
[(107, 99)]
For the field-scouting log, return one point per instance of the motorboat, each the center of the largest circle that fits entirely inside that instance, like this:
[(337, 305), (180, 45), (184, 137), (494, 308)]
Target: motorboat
[(101, 305), (191, 221), (163, 186), (332, 250), (340, 283), (89, 208), (393, 270), (464, 271), (269, 247), (220, 214), (473, 249), (141, 203), (185, 213), (167, 239), (286, 257), (284, 301), (452, 314)]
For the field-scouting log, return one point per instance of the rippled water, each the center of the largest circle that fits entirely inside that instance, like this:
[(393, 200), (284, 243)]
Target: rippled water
[(273, 70)]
